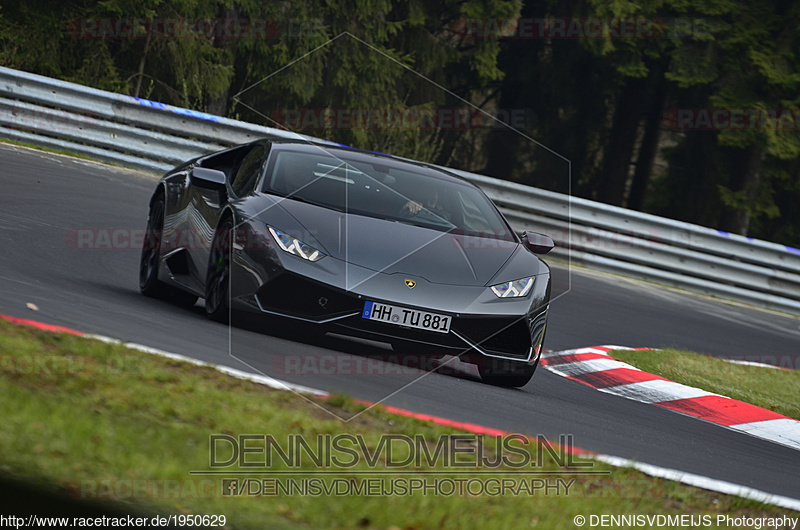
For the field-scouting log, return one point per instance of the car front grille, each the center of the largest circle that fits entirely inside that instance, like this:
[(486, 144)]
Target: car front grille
[(292, 295), (508, 337), (502, 336)]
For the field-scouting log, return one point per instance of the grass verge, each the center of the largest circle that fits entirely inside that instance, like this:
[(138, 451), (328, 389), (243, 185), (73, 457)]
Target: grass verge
[(53, 150), (99, 421), (770, 388), (80, 156)]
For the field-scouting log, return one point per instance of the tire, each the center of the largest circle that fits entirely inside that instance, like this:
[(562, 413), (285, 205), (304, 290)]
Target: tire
[(218, 276), (507, 374), (149, 262)]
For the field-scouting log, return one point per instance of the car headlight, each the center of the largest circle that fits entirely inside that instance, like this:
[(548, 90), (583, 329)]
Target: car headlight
[(513, 289), (295, 246)]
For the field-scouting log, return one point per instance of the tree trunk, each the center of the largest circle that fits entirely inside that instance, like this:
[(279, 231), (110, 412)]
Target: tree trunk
[(649, 147), (745, 180), (502, 144), (219, 104), (141, 65), (619, 150)]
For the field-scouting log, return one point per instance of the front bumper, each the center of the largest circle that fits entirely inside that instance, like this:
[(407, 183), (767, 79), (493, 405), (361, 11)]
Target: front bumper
[(516, 337)]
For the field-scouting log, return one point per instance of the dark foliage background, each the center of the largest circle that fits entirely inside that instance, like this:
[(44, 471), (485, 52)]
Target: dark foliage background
[(594, 115)]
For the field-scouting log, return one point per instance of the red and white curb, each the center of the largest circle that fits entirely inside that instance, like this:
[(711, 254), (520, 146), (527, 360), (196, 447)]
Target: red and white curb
[(690, 479), (596, 368)]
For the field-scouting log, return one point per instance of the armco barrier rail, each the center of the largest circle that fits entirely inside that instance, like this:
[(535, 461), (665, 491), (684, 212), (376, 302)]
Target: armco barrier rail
[(152, 136)]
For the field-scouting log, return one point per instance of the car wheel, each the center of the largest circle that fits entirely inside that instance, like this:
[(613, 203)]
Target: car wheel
[(508, 374), (219, 270), (149, 284)]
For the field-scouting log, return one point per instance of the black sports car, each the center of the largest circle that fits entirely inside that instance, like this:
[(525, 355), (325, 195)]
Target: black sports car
[(351, 241)]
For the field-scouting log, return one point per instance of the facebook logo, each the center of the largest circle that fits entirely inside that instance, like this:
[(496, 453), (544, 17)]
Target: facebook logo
[(230, 487)]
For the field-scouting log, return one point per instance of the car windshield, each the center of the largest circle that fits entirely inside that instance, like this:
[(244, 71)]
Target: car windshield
[(371, 185)]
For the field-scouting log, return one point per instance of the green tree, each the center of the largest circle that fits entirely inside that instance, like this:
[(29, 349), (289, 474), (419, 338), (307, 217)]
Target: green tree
[(750, 65)]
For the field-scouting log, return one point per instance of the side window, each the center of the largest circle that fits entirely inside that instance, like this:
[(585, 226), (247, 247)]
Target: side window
[(249, 171)]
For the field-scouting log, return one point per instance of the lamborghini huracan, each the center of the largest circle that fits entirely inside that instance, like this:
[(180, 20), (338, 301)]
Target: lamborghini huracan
[(355, 242)]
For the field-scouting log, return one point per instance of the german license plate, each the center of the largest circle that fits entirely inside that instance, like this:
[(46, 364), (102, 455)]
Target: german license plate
[(402, 316)]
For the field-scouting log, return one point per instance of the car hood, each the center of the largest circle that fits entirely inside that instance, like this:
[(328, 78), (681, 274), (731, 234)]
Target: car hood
[(392, 247)]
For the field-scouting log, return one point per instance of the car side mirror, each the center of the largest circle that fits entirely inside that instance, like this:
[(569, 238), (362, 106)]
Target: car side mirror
[(208, 178), (537, 243)]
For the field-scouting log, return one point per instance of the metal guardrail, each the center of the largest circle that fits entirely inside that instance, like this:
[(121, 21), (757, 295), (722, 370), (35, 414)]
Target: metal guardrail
[(646, 246), (152, 136), (114, 127)]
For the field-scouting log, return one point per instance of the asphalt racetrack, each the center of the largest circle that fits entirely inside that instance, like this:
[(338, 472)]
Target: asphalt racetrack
[(48, 202)]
